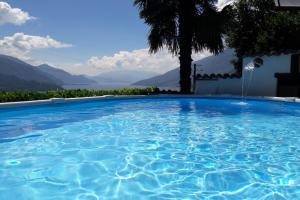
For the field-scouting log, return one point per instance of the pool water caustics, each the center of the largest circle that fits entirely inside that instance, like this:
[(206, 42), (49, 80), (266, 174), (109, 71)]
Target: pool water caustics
[(217, 149)]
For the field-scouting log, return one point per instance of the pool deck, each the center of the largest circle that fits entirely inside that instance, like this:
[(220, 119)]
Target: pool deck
[(111, 97)]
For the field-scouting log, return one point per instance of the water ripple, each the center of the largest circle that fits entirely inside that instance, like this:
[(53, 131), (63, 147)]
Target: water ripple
[(151, 149)]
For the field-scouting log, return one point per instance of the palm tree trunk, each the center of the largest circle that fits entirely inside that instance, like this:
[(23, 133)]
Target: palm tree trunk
[(185, 44)]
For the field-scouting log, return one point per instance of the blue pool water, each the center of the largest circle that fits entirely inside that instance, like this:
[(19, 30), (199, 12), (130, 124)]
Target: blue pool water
[(151, 149)]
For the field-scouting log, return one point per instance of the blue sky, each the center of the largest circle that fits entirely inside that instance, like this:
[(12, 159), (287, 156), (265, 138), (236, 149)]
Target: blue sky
[(100, 27), (80, 36)]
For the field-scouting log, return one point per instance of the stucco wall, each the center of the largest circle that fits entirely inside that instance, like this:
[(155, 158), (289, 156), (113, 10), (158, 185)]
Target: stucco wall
[(219, 87), (262, 83)]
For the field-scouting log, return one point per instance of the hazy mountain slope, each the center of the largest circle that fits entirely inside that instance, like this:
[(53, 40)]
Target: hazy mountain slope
[(12, 83), (169, 79), (212, 64), (217, 64), (65, 77), (126, 77), (10, 66)]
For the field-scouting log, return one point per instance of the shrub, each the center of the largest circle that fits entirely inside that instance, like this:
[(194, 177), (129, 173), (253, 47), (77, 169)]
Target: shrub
[(33, 95)]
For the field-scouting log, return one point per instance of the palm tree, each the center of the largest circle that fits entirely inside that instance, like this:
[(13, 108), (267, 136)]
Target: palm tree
[(183, 26)]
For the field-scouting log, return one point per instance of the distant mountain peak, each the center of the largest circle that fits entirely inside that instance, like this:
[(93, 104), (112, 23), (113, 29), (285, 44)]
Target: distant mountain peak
[(65, 77), (43, 76), (24, 76)]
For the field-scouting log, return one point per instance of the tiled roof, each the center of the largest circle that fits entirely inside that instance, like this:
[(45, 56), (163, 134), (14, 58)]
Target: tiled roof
[(216, 76)]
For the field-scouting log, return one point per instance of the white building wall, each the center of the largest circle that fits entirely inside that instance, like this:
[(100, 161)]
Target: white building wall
[(262, 82), (219, 87)]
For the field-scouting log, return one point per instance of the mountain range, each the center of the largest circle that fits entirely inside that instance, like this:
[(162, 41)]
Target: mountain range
[(221, 63), (64, 77), (18, 75)]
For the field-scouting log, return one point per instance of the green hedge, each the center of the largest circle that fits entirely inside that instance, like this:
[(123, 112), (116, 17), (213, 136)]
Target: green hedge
[(30, 96)]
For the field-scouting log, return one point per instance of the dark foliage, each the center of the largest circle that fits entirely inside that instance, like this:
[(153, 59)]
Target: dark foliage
[(257, 28), (30, 96)]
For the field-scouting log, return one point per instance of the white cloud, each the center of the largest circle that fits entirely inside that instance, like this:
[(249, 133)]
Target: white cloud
[(222, 3), (137, 60), (134, 60), (20, 45), (9, 15)]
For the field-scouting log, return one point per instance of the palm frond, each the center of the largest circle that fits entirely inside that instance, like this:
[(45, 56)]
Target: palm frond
[(208, 30)]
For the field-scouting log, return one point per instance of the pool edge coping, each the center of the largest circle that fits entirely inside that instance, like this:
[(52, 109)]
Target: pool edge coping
[(123, 97)]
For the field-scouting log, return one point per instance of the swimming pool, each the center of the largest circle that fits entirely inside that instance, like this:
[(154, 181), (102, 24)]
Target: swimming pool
[(184, 148)]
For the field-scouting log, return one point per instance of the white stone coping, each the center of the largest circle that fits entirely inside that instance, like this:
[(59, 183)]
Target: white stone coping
[(124, 97)]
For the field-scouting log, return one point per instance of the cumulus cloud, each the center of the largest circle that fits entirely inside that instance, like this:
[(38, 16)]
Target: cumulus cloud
[(134, 60), (137, 60), (9, 15), (20, 44)]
